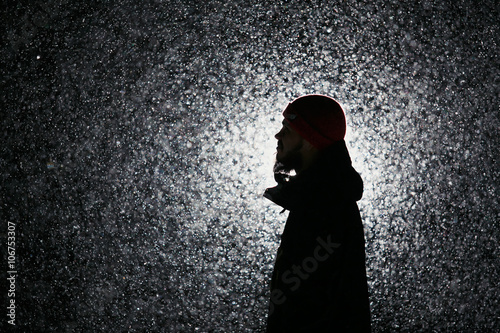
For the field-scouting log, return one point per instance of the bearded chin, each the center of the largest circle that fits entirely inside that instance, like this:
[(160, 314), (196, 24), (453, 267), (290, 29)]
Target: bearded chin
[(292, 161), (281, 168)]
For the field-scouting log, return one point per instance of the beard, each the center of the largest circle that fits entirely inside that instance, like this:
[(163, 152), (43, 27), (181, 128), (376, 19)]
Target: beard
[(290, 161)]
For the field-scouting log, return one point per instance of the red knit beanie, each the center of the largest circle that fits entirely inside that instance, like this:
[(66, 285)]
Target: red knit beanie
[(317, 118)]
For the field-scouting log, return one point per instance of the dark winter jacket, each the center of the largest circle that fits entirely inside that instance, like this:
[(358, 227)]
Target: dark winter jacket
[(319, 278)]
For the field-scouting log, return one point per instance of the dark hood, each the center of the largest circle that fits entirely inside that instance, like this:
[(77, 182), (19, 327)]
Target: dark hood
[(332, 179)]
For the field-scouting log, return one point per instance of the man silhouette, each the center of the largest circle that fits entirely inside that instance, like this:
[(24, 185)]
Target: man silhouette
[(319, 278)]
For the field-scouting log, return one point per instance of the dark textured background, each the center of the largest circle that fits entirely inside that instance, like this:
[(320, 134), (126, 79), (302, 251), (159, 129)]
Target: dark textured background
[(137, 140)]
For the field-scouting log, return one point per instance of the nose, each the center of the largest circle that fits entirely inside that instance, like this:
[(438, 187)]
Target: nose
[(279, 135)]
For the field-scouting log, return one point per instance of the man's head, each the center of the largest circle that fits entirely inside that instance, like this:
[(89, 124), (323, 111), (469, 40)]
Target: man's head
[(312, 123)]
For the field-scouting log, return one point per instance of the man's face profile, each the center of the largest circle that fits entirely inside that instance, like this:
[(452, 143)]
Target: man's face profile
[(288, 150)]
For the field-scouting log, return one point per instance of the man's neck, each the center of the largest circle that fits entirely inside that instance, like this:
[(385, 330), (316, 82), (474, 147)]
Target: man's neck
[(308, 160)]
